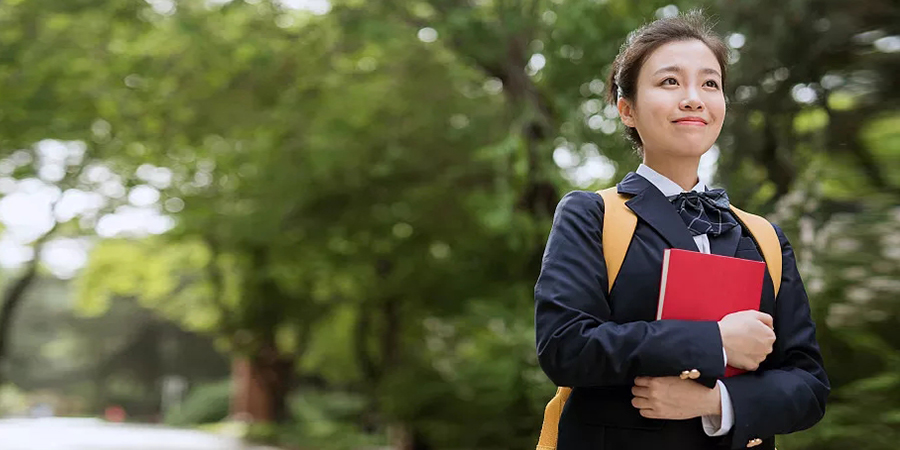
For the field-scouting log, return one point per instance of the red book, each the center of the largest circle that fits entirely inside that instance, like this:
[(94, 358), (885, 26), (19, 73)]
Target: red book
[(699, 286)]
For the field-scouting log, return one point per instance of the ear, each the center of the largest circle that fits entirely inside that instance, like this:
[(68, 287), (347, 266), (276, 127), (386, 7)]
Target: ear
[(626, 112)]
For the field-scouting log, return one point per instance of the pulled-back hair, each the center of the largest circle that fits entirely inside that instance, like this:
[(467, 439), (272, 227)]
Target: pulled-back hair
[(642, 42)]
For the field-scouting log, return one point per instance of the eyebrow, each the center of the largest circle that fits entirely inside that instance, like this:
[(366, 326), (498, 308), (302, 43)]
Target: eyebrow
[(678, 69)]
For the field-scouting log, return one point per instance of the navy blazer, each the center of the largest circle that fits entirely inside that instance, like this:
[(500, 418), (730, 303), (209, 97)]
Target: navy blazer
[(597, 343)]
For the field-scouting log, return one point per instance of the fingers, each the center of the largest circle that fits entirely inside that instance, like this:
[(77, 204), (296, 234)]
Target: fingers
[(640, 403), (640, 391), (766, 319)]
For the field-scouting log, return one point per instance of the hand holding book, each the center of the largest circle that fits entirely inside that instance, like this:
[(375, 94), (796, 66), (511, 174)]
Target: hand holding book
[(699, 286), (748, 337)]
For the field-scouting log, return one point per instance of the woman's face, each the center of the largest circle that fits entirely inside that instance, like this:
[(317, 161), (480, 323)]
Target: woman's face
[(679, 105)]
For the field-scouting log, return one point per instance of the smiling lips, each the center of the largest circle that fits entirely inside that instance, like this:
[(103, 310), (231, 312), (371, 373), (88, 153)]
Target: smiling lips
[(695, 121)]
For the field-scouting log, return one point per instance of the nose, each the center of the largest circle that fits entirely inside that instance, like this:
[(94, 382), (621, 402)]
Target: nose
[(691, 102)]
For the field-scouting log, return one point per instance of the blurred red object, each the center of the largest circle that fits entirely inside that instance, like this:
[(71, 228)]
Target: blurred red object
[(114, 413)]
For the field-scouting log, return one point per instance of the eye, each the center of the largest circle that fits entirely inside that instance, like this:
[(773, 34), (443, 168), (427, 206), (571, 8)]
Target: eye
[(670, 82), (711, 83)]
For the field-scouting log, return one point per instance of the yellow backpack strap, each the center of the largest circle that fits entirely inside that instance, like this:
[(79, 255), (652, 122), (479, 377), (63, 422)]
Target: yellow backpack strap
[(764, 234), (619, 223), (550, 427)]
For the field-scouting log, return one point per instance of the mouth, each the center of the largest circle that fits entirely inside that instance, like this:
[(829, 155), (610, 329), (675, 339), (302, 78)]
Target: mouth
[(695, 121)]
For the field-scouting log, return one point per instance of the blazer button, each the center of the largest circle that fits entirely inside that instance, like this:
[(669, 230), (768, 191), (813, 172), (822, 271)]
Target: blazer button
[(694, 374), (685, 375), (754, 442)]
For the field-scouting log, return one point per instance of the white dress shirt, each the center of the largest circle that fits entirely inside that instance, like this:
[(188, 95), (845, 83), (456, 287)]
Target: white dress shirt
[(715, 425)]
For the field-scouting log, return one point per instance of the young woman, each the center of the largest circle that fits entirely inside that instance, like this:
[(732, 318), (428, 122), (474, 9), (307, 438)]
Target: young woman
[(623, 365)]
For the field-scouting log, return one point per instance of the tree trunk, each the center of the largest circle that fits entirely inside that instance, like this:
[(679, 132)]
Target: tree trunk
[(260, 387), (12, 299), (403, 437), (263, 379)]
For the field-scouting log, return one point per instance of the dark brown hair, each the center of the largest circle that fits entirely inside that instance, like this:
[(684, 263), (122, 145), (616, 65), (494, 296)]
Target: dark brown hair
[(642, 42)]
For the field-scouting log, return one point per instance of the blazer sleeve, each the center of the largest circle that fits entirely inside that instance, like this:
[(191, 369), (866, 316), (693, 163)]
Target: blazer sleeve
[(577, 342), (789, 390)]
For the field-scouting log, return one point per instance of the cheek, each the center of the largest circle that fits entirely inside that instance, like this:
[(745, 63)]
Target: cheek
[(656, 108), (662, 106), (717, 107), (719, 113)]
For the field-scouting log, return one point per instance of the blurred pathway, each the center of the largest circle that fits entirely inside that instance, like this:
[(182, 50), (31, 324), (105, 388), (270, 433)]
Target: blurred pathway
[(55, 433)]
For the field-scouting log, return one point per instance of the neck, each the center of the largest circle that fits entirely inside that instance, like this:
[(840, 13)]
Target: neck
[(683, 171)]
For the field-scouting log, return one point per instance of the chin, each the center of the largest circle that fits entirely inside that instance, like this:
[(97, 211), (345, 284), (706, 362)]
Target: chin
[(693, 151)]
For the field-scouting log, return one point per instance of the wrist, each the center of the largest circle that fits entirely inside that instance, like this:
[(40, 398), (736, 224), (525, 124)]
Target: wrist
[(724, 344)]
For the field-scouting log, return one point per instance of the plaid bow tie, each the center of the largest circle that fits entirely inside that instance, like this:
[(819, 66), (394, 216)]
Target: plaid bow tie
[(705, 212)]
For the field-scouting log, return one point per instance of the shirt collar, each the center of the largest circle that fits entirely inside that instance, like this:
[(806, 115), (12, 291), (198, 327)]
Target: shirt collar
[(668, 187)]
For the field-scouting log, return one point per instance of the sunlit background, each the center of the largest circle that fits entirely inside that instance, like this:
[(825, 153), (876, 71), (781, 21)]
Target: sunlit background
[(313, 224)]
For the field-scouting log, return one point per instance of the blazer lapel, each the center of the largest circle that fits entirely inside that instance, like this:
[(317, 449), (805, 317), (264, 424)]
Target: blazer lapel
[(655, 209), (725, 244)]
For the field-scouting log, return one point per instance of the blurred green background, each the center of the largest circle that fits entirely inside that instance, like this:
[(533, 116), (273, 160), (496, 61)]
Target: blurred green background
[(326, 217)]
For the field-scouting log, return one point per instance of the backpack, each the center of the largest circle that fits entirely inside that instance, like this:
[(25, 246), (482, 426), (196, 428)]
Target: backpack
[(619, 223)]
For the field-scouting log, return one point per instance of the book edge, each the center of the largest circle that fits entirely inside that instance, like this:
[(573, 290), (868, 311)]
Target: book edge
[(662, 283)]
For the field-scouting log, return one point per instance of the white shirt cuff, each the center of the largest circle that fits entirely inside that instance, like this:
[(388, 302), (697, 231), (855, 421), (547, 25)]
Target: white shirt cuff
[(717, 425)]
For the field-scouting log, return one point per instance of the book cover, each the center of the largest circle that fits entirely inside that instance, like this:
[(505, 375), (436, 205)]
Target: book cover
[(699, 286)]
